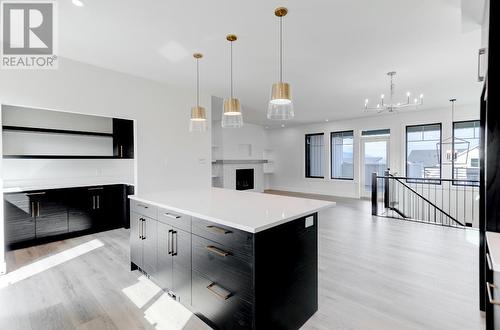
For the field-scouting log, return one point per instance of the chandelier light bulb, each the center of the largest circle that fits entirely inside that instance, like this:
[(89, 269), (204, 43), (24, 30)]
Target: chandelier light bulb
[(421, 96), (408, 94), (366, 101), (382, 96)]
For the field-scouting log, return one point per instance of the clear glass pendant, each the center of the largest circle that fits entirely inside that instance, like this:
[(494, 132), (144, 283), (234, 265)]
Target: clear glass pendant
[(231, 113), (281, 105), (198, 121)]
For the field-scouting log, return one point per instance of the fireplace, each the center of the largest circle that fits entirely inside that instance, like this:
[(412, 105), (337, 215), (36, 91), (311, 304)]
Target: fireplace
[(244, 179)]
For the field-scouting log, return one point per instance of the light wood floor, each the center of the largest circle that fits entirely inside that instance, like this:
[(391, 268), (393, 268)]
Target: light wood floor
[(374, 274)]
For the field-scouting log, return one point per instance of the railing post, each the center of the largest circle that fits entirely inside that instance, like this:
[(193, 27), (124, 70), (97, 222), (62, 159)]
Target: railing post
[(386, 189), (374, 194)]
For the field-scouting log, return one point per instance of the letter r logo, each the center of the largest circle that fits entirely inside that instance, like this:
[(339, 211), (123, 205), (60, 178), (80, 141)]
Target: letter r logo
[(27, 28)]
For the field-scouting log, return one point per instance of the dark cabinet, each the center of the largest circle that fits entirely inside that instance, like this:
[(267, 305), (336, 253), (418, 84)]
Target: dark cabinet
[(143, 242), (30, 216), (51, 213), (123, 138), (19, 218), (174, 262)]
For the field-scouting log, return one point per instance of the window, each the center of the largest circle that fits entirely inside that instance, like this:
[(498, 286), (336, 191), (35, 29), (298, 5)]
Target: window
[(422, 156), (315, 155), (342, 155), (466, 150)]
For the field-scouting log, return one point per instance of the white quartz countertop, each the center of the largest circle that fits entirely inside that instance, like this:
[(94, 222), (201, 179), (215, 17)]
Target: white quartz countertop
[(493, 241), (11, 186), (248, 211)]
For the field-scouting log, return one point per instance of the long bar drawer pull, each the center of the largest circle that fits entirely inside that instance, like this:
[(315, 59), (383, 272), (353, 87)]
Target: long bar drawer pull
[(490, 286), (172, 216), (142, 205), (488, 259), (221, 292), (217, 251), (219, 230), (36, 193)]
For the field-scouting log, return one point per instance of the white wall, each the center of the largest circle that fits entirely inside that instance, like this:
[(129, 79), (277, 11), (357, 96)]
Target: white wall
[(288, 148), (167, 157)]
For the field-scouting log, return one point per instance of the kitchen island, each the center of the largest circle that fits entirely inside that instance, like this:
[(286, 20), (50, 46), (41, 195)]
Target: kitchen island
[(236, 259)]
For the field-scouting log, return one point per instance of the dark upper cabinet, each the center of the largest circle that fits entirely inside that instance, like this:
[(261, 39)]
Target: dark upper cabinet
[(19, 218), (123, 138)]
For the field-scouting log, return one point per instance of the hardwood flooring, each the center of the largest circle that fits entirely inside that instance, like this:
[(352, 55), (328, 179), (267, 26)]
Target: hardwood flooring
[(375, 273)]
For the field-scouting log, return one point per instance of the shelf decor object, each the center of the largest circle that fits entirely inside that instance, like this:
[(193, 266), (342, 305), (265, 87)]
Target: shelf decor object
[(281, 105), (198, 122), (392, 106), (231, 111), (456, 150)]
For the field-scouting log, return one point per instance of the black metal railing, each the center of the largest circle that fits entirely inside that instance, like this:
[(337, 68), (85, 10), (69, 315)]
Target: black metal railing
[(446, 202)]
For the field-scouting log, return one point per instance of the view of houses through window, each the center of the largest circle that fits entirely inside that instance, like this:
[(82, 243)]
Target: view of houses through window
[(342, 164), (466, 150), (315, 155), (422, 152)]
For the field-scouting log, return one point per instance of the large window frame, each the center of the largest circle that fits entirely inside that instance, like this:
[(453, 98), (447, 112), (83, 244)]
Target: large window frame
[(463, 183), (307, 169), (425, 180), (331, 155)]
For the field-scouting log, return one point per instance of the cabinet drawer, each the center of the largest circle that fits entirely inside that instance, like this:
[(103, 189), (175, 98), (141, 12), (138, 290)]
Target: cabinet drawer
[(225, 266), (175, 219), (144, 209), (234, 238), (219, 307)]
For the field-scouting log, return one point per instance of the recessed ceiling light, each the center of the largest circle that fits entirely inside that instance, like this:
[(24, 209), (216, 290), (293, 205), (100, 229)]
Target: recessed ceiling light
[(266, 127), (282, 125), (77, 3), (326, 119)]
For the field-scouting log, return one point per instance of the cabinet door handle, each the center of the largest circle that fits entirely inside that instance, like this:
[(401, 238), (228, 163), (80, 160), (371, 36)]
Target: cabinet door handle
[(172, 216), (174, 246), (93, 202), (219, 230), (217, 251), (32, 211), (98, 202), (38, 207), (224, 294), (141, 230), (169, 241), (488, 259), (142, 205), (144, 229), (490, 286), (121, 151), (480, 54)]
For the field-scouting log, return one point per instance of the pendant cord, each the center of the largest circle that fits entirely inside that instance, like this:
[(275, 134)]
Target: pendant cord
[(231, 50), (197, 82), (281, 49)]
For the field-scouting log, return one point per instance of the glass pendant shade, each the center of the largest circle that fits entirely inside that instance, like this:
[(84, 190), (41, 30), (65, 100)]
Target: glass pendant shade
[(198, 122), (231, 114), (281, 105)]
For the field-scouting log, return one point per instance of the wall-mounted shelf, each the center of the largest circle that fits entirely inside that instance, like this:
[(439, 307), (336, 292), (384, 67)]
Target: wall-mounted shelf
[(53, 131), (73, 136)]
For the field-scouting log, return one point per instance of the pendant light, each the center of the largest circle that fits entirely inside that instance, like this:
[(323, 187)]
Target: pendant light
[(198, 122), (281, 105), (231, 112), (456, 150)]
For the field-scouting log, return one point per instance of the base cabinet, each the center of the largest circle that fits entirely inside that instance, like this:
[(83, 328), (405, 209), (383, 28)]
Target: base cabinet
[(230, 278), (39, 216)]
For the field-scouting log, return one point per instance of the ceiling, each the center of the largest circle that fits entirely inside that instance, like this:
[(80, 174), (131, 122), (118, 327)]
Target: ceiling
[(337, 52)]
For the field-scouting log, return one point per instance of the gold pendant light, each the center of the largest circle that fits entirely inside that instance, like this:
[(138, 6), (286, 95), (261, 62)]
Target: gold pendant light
[(198, 122), (231, 112), (281, 105)]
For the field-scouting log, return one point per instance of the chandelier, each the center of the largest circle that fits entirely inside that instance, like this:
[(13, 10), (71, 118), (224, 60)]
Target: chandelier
[(392, 105)]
